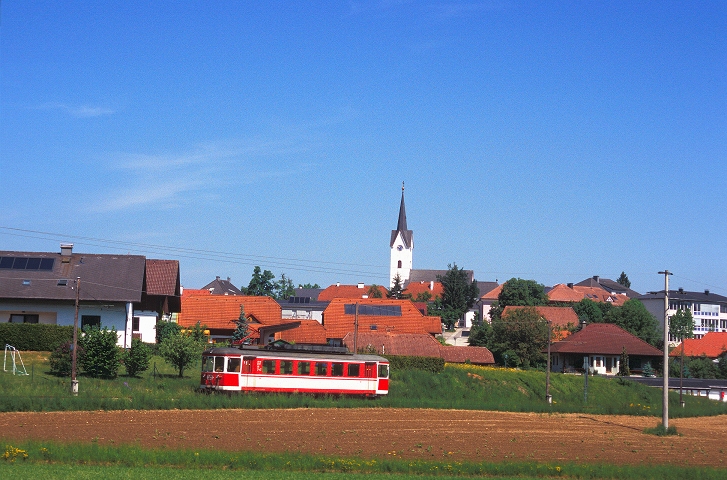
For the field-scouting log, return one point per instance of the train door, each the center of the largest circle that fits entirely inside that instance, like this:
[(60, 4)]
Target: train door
[(246, 377), (371, 377)]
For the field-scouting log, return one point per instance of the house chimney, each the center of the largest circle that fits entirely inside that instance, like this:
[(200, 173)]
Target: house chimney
[(66, 249), (217, 277), (570, 285), (338, 284), (431, 285), (596, 277), (706, 292), (360, 285), (681, 290)]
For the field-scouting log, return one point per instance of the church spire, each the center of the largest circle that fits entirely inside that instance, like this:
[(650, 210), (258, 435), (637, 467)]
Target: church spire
[(401, 227), (401, 224)]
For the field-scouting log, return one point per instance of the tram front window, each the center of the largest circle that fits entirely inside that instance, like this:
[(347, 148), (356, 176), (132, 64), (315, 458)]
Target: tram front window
[(208, 364), (383, 371)]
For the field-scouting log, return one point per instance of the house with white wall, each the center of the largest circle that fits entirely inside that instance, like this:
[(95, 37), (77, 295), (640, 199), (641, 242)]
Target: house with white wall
[(126, 292)]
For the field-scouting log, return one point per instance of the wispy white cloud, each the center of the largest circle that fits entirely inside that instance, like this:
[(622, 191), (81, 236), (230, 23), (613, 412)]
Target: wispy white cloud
[(78, 111), (199, 173)]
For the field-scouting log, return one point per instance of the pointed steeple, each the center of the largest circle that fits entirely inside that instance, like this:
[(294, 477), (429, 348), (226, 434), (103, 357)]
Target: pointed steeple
[(406, 235)]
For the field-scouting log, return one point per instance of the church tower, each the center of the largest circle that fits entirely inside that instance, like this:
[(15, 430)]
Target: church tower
[(402, 244)]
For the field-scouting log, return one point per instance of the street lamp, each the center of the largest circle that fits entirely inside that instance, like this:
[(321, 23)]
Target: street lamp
[(665, 398)]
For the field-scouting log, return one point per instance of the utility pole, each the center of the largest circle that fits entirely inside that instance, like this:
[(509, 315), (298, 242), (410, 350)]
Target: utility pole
[(548, 396), (74, 347), (665, 399), (355, 331)]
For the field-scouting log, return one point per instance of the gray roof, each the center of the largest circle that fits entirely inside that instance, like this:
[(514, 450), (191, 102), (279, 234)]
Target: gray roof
[(608, 285), (104, 278), (681, 294), (219, 286), (311, 293), (416, 275)]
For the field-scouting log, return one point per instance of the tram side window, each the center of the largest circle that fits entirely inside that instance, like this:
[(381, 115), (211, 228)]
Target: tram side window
[(268, 366), (321, 369), (384, 371), (233, 364), (219, 364), (354, 370), (303, 368), (286, 367), (336, 369), (209, 364)]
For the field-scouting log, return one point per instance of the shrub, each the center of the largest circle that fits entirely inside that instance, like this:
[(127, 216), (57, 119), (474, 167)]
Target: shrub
[(166, 329), (101, 355), (137, 358), (60, 359), (34, 336), (429, 364)]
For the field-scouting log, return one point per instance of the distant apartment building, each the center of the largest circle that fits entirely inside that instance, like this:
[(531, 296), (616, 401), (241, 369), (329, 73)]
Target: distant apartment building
[(708, 309)]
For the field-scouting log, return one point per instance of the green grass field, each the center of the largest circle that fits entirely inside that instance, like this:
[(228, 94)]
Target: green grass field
[(457, 387), (35, 459)]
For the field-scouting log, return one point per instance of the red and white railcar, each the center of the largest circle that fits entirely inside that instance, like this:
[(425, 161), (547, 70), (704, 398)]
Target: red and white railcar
[(294, 370)]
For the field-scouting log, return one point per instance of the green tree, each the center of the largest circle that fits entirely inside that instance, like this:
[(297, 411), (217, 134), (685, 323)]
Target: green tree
[(397, 290), (722, 366), (242, 328), (681, 324), (166, 329), (480, 335), (519, 292), (522, 335), (60, 359), (182, 350), (424, 296), (633, 317), (623, 279), (101, 356), (374, 291), (702, 367), (589, 310), (284, 288), (137, 358), (458, 295), (308, 285), (623, 366), (261, 284)]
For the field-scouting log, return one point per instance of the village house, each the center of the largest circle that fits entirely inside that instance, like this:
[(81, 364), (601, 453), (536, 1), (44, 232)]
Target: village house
[(129, 293), (598, 346)]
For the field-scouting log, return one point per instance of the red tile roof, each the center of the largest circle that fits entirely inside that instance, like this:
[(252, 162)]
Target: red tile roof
[(417, 345), (416, 288), (218, 311), (347, 291), (474, 355), (711, 345), (493, 294), (561, 318), (309, 331), (564, 293), (606, 339), (162, 277), (338, 323)]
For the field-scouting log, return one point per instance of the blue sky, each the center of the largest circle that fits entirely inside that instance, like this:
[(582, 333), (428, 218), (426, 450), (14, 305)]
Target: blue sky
[(542, 140)]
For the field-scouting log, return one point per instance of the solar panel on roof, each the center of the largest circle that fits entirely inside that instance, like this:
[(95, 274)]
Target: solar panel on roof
[(25, 263), (6, 262), (33, 264), (46, 264), (20, 263)]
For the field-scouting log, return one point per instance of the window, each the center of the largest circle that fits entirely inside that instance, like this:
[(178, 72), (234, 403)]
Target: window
[(303, 368), (286, 367), (135, 324), (398, 264), (354, 370), (90, 321), (321, 369), (219, 364), (233, 364), (24, 318), (383, 371), (697, 307), (208, 364), (268, 366), (723, 308), (336, 369)]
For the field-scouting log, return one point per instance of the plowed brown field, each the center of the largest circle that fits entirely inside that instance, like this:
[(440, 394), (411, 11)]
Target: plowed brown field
[(406, 433)]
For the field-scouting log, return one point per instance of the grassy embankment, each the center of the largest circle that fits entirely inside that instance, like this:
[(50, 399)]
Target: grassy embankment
[(458, 387), (48, 460)]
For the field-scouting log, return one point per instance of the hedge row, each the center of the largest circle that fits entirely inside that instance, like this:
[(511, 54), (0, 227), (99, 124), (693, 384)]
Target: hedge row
[(34, 336), (429, 364)]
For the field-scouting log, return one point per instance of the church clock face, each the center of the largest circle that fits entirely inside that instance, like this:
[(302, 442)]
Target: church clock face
[(400, 248)]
